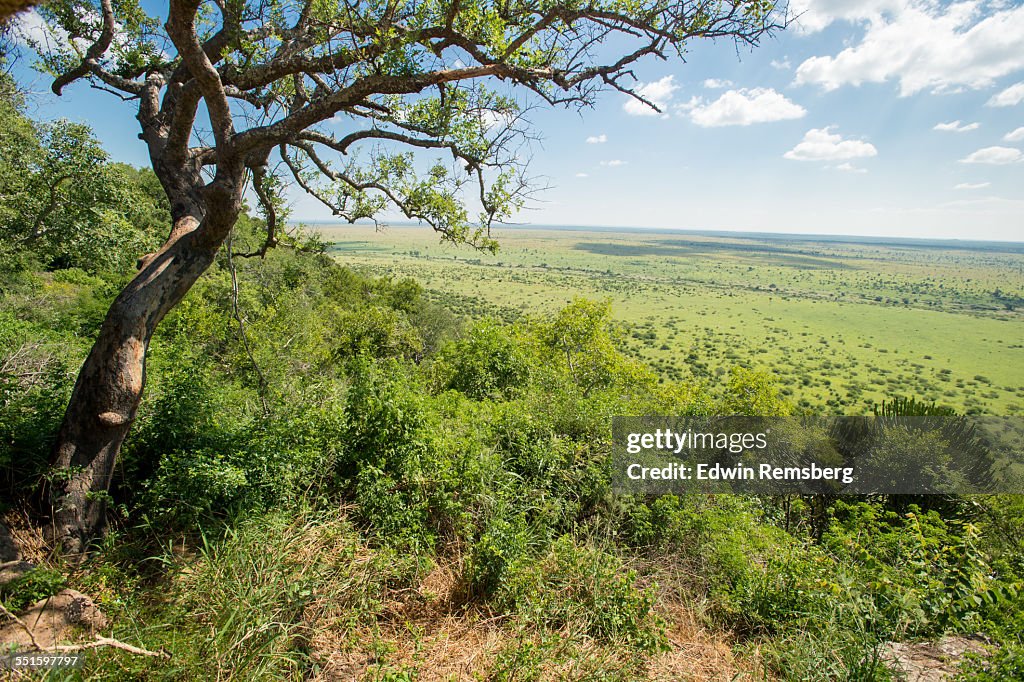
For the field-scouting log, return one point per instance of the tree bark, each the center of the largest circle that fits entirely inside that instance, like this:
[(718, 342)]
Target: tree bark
[(110, 384)]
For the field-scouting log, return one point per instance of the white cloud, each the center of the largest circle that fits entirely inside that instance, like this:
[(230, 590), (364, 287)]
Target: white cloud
[(956, 127), (812, 16), (659, 93), (490, 119), (986, 205), (582, 175), (848, 167), (820, 144), (742, 108), (597, 139), (613, 163), (1007, 98), (781, 64), (29, 28), (1015, 135), (32, 30), (716, 84), (997, 156), (972, 185), (922, 44)]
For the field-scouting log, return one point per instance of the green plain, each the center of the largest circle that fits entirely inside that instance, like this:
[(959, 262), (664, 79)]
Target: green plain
[(841, 323)]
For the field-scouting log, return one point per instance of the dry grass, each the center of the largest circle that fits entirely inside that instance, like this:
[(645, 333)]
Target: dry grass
[(434, 630), (429, 628), (28, 537), (697, 653)]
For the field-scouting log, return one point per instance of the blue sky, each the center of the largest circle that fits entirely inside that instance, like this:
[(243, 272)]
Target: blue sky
[(866, 117)]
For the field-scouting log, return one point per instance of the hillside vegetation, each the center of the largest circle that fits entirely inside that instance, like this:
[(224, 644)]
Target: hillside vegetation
[(334, 476), (842, 323)]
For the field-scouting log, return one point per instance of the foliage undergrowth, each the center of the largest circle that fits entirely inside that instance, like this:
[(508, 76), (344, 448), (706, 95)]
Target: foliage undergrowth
[(304, 470)]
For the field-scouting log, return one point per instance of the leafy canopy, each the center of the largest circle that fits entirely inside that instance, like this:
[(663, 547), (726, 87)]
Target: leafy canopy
[(371, 104), (63, 203)]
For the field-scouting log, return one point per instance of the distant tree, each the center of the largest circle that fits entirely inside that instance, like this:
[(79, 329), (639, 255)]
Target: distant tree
[(64, 204), (581, 334), (293, 89), (751, 392), (582, 347)]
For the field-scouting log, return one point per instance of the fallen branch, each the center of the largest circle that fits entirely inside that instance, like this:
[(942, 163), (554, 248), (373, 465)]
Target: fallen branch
[(95, 644), (107, 641)]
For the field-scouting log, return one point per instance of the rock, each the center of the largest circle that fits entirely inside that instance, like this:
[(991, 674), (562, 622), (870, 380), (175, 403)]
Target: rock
[(931, 661), (52, 619), (8, 547), (13, 569)]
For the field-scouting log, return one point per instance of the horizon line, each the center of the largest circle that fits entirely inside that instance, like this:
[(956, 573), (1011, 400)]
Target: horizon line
[(811, 236)]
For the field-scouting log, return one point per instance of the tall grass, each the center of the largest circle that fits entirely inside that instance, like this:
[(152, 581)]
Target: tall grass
[(246, 604)]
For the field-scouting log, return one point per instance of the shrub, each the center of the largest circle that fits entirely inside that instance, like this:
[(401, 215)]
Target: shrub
[(30, 587), (378, 332), (584, 589), (1005, 663), (499, 552), (35, 381), (487, 362), (396, 513), (386, 424), (754, 393)]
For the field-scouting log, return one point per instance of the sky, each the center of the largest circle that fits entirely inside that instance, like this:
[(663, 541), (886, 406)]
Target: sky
[(900, 118)]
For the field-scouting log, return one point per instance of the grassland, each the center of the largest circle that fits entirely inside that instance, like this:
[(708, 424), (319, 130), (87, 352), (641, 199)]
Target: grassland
[(842, 323)]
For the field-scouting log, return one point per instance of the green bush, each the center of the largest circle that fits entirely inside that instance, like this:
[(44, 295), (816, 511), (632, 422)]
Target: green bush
[(396, 514), (386, 424), (586, 590), (502, 548), (378, 332), (487, 362), (925, 574), (30, 587), (1004, 663), (35, 382)]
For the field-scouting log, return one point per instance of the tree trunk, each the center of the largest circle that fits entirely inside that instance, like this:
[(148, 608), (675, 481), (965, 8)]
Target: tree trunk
[(110, 384)]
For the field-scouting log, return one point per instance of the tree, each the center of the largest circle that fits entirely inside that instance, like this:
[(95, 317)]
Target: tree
[(486, 362), (64, 204), (410, 82), (583, 335), (752, 392)]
